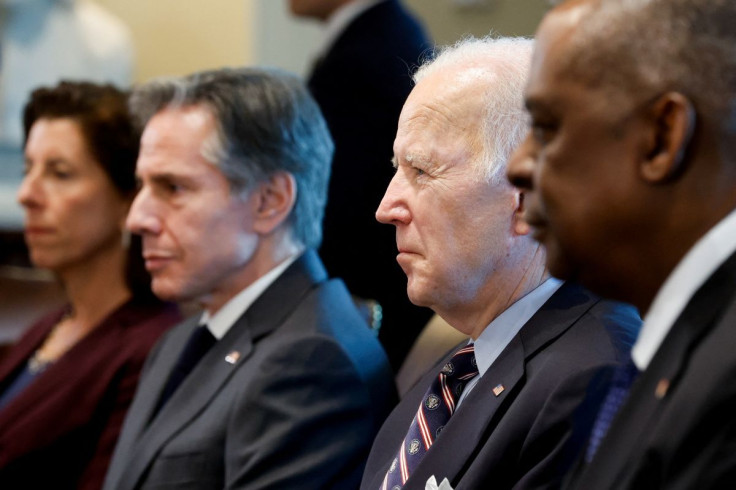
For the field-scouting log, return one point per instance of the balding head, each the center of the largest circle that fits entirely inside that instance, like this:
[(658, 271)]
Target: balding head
[(631, 156), (642, 48)]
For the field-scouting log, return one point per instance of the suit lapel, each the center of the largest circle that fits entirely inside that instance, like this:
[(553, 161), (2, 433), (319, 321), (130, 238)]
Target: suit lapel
[(213, 371), (190, 398), (468, 426), (481, 410), (639, 415)]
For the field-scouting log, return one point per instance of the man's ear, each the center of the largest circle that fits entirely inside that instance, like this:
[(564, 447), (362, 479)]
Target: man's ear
[(521, 227), (673, 122), (274, 200)]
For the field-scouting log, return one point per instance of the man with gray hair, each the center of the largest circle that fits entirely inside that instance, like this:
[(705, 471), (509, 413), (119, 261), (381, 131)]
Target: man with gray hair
[(279, 383), (630, 178), (496, 413)]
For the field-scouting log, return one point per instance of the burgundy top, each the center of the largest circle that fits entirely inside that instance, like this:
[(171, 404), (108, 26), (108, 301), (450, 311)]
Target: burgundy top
[(60, 431)]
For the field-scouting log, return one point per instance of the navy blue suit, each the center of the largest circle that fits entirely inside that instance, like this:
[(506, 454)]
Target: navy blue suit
[(522, 436)]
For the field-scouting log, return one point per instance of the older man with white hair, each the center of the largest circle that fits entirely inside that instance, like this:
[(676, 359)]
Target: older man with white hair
[(496, 411)]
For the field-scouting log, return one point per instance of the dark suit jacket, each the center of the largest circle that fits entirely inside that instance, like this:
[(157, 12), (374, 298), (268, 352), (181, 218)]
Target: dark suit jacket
[(297, 410), (61, 430), (522, 437), (685, 437), (361, 85)]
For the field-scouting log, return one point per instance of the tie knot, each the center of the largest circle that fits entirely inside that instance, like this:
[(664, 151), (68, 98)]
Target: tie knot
[(462, 366)]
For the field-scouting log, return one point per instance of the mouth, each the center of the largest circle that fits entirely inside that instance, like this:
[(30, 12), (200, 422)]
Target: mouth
[(36, 231), (155, 261)]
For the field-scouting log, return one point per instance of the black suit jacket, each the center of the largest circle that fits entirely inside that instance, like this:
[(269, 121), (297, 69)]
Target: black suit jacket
[(361, 85), (677, 430), (297, 409), (521, 438)]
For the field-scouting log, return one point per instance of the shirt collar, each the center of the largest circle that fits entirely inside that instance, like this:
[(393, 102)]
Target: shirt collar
[(497, 335), (694, 269), (341, 19), (225, 318)]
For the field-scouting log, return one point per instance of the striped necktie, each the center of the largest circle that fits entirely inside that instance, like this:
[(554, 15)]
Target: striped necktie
[(434, 412)]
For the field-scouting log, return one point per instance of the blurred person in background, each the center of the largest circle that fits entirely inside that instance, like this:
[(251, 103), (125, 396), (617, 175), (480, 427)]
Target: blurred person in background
[(360, 80), (67, 384)]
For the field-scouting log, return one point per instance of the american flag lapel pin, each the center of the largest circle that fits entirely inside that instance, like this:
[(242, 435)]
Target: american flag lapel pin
[(498, 389), (233, 357)]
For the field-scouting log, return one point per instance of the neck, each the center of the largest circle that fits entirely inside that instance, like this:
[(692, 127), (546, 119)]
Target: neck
[(96, 287), (270, 252), (507, 286)]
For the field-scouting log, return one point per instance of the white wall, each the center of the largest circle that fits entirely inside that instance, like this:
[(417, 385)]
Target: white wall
[(282, 40)]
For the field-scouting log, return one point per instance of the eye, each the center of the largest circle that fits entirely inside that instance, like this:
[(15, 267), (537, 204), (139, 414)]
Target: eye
[(172, 187), (543, 131), (61, 174), (59, 169)]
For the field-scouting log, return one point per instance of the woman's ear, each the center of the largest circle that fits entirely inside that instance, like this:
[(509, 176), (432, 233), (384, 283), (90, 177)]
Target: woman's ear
[(274, 201), (521, 227), (673, 122)]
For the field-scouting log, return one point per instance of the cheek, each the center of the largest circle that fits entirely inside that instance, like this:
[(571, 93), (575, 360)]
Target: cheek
[(97, 218)]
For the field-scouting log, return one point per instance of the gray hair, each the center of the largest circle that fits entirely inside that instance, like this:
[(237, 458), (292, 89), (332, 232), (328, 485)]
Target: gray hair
[(637, 49), (505, 122), (266, 123)]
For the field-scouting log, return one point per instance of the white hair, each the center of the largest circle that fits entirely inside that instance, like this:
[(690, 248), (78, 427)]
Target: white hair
[(505, 121)]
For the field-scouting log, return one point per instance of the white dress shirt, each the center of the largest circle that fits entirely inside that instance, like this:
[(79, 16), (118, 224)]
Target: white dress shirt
[(219, 323), (497, 335), (694, 269)]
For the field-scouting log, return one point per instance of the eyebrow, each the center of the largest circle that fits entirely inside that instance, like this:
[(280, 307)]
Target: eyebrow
[(414, 158), (417, 158), (158, 178)]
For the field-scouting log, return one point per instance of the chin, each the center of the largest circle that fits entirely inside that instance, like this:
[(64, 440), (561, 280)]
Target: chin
[(165, 292), (418, 297)]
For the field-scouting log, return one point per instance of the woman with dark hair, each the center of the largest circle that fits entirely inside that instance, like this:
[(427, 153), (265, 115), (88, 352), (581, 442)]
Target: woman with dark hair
[(66, 386)]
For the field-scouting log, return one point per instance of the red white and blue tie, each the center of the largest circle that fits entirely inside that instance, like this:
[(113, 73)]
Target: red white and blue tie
[(437, 407)]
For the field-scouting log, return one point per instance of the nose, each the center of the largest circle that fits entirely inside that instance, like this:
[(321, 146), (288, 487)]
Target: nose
[(393, 209), (142, 218), (520, 169), (30, 193)]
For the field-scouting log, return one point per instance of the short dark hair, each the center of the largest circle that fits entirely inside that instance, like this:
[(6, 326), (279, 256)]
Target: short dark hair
[(101, 112), (647, 47), (266, 122), (102, 115)]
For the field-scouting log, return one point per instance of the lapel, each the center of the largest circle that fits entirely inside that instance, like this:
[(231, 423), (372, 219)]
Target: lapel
[(26, 346), (212, 373), (641, 412), (94, 349), (479, 413)]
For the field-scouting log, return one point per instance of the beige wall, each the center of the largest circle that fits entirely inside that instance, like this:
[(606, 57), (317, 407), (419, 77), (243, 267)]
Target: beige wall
[(175, 37), (447, 22)]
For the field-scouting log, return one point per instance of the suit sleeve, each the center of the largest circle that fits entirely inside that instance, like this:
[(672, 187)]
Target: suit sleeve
[(303, 423)]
